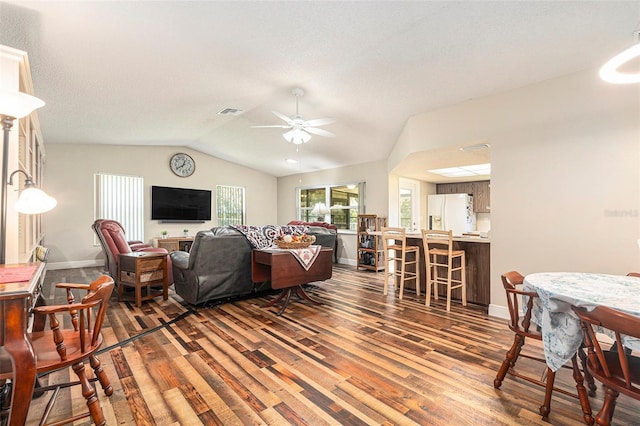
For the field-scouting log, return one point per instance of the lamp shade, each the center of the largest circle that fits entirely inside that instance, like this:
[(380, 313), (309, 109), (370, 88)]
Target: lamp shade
[(33, 200), (17, 104), (320, 209), (610, 71)]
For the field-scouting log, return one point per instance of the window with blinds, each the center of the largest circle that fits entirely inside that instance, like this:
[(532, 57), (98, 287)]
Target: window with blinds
[(121, 198), (230, 205)]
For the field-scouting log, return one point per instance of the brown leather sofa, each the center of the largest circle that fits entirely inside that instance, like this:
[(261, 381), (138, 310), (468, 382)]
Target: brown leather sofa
[(218, 266)]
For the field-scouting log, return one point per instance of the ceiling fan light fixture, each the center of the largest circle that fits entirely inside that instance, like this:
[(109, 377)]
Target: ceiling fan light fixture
[(297, 136), (300, 129), (610, 71)]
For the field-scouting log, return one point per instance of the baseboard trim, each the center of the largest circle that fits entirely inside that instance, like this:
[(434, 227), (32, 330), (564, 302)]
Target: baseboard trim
[(499, 311), (75, 264), (346, 261)]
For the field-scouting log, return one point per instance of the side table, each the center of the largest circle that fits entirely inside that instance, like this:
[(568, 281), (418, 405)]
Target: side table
[(143, 269), (283, 270)]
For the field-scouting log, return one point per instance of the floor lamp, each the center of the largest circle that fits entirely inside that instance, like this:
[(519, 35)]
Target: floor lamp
[(13, 104)]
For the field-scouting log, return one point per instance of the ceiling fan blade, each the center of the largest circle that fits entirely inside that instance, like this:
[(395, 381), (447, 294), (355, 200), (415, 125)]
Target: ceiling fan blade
[(319, 132), (282, 116), (280, 126), (319, 122)]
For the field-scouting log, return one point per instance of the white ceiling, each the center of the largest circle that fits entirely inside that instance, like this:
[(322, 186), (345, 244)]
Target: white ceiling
[(156, 73)]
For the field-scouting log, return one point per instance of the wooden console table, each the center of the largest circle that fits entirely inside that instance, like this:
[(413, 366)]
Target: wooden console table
[(285, 272), (143, 269), (18, 293), (176, 243)]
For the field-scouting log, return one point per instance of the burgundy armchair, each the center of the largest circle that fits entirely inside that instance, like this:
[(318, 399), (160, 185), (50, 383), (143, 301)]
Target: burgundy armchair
[(113, 240)]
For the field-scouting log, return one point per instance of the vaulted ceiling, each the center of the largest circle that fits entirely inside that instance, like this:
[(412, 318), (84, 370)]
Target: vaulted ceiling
[(157, 73)]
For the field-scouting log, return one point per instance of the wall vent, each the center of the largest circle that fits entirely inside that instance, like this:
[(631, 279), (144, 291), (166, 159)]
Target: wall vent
[(230, 111)]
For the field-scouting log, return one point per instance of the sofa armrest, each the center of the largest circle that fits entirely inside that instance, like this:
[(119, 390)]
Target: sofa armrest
[(180, 259)]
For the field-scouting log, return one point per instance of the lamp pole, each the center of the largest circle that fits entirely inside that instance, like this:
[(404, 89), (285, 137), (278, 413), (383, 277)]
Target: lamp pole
[(7, 123)]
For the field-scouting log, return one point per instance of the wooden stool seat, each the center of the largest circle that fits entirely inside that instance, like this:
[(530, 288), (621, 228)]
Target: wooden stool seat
[(394, 241), (440, 255)]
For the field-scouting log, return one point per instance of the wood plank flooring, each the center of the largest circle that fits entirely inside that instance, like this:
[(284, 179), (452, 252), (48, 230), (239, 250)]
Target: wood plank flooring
[(360, 358)]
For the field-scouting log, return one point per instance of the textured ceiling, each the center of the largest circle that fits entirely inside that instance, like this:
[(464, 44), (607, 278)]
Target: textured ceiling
[(156, 73)]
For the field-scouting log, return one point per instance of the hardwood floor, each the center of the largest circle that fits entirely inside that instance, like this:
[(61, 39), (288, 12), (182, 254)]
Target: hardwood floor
[(361, 358)]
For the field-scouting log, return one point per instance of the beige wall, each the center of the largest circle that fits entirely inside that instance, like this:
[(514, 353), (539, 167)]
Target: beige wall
[(69, 177), (565, 158)]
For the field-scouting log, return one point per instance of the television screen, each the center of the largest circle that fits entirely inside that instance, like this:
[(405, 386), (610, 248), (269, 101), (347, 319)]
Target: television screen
[(180, 204)]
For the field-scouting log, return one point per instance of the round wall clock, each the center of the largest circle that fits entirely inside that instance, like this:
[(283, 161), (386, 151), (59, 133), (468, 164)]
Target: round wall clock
[(182, 165)]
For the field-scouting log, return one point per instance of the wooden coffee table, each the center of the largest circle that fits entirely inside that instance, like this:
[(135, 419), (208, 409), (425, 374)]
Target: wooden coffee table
[(285, 272)]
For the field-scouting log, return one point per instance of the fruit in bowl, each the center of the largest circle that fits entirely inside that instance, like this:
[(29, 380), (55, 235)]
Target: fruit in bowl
[(295, 241)]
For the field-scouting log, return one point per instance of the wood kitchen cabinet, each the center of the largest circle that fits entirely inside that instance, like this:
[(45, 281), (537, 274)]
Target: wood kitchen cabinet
[(455, 188), (478, 273), (480, 191), (481, 197)]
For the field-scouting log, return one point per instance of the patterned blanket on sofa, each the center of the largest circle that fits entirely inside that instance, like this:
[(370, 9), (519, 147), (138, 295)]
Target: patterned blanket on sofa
[(261, 237)]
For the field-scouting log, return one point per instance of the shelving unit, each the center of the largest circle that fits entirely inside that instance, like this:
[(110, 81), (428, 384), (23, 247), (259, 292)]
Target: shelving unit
[(370, 251)]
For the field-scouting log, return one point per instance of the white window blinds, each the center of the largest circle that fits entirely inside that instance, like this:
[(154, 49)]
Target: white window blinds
[(121, 198), (230, 205)]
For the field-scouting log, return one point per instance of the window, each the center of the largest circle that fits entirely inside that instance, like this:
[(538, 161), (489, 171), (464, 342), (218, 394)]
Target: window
[(406, 208), (230, 205), (409, 203), (336, 204), (120, 198)]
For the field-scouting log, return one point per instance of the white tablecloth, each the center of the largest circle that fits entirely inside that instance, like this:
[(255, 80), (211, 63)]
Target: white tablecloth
[(558, 291)]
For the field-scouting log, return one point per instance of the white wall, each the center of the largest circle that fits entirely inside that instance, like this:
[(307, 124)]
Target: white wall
[(565, 178), (69, 174)]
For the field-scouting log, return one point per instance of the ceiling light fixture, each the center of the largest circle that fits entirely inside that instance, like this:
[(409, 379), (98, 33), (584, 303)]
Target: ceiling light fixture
[(476, 147), (301, 129), (464, 171), (297, 136), (610, 71)]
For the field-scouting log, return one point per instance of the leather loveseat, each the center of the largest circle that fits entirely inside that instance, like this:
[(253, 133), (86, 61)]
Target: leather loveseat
[(218, 266)]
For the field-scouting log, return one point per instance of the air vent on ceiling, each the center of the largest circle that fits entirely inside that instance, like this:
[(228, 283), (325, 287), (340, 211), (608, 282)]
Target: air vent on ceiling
[(230, 111)]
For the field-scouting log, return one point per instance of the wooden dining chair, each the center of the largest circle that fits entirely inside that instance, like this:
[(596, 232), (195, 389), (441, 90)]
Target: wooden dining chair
[(618, 370), (520, 322), (59, 348), (445, 266), (394, 243)]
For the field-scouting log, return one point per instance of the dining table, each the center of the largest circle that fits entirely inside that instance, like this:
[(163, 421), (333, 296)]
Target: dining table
[(558, 292)]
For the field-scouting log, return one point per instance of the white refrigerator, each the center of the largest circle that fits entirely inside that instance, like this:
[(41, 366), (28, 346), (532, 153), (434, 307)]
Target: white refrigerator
[(451, 212)]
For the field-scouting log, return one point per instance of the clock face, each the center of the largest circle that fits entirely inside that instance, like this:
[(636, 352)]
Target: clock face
[(182, 165)]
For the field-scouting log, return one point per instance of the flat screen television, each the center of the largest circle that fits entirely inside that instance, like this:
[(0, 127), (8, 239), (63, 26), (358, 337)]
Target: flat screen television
[(180, 204)]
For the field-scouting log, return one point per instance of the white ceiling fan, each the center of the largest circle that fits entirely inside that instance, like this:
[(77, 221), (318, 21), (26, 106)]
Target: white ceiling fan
[(301, 129)]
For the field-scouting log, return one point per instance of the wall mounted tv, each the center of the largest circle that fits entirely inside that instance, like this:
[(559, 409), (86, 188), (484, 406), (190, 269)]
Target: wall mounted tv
[(180, 204)]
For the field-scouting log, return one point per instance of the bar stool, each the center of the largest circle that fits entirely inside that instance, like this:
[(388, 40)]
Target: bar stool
[(394, 241), (439, 254)]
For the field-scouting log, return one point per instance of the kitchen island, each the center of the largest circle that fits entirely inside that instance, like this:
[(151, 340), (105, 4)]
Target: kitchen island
[(477, 253)]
